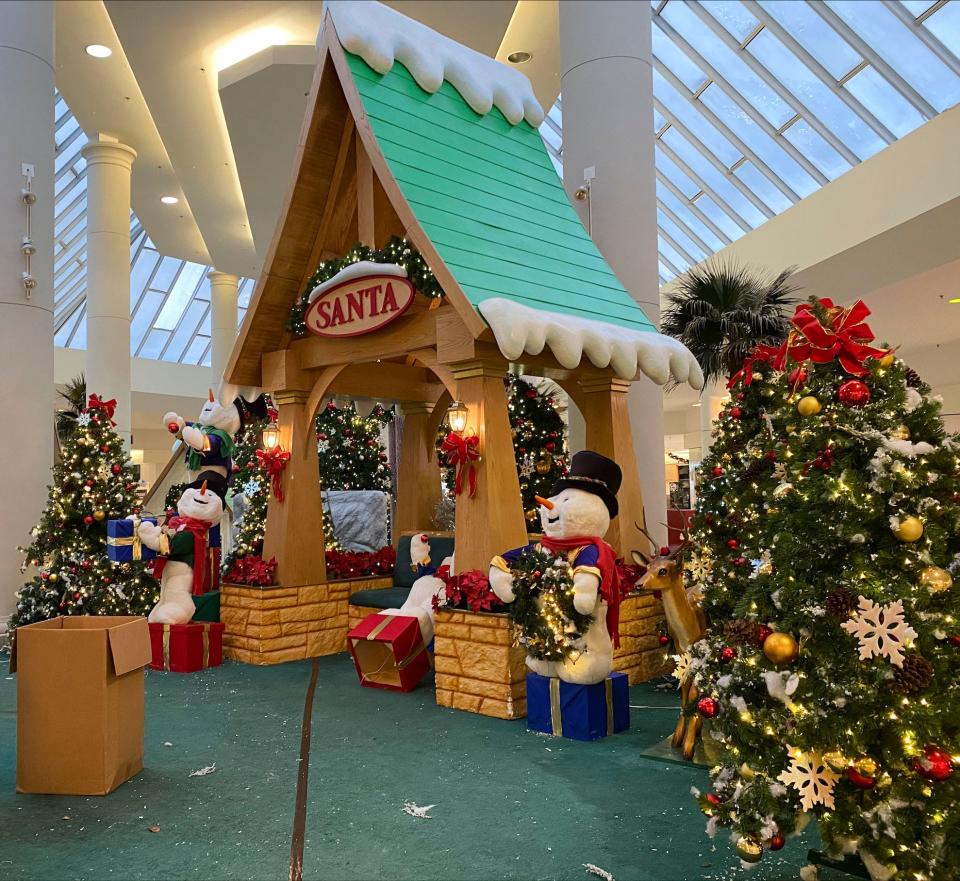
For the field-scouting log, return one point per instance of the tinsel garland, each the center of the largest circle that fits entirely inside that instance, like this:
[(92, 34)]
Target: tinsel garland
[(397, 251), (549, 624)]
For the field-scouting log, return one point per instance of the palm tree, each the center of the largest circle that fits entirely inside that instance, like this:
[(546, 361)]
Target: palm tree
[(75, 395), (721, 311)]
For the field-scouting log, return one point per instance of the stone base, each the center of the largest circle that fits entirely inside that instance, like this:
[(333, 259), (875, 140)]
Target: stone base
[(478, 668), (640, 655), (271, 625)]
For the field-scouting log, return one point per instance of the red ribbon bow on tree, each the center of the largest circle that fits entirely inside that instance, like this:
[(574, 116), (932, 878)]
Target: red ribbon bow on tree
[(844, 338), (108, 407), (273, 462), (460, 453), (762, 354)]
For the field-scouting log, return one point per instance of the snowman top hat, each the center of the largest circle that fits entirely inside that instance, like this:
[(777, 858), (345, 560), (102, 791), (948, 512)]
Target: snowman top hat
[(593, 473), (215, 481)]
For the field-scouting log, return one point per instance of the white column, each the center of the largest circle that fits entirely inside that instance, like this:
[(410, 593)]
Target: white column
[(107, 367), (223, 320), (26, 322), (607, 87)]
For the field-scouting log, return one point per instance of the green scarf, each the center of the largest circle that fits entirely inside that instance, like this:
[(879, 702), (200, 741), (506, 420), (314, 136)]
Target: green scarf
[(227, 446)]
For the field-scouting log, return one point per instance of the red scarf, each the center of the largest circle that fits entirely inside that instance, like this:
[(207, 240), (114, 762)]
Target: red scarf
[(199, 529), (609, 578)]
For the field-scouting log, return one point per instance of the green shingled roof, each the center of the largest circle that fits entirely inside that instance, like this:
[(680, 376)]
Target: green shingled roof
[(487, 195)]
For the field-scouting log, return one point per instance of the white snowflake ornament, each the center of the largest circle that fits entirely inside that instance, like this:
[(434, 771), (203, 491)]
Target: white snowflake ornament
[(323, 446), (812, 777), (682, 666), (880, 630), (83, 419), (526, 466), (251, 488)]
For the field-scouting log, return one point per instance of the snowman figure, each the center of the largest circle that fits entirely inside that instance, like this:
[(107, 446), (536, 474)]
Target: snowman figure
[(210, 440), (574, 520), (183, 543)]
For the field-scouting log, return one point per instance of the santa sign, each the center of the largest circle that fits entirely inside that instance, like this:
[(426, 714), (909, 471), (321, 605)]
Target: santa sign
[(358, 304)]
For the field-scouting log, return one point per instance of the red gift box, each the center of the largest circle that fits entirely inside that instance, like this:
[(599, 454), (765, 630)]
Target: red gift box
[(185, 648), (388, 651)]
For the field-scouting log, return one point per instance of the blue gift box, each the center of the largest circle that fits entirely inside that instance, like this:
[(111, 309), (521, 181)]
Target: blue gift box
[(213, 537), (123, 544), (581, 712)]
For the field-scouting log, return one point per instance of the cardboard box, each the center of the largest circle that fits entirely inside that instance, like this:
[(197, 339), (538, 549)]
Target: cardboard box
[(186, 648), (580, 712), (79, 703), (123, 543), (388, 652)]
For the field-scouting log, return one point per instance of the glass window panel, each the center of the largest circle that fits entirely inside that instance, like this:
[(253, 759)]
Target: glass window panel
[(658, 120), (62, 135), (245, 292), (901, 49), (79, 338), (884, 101), (767, 149), (140, 274), (62, 184), (682, 211), (154, 344), (672, 255), (712, 178), (720, 217), (686, 71), (166, 273), (78, 207), (665, 272), (185, 331), (944, 24), (815, 35), (142, 319), (815, 95), (180, 295), (195, 350), (678, 178), (733, 16), (67, 157), (62, 337), (758, 184), (685, 113), (917, 7), (728, 64), (205, 325), (816, 149), (680, 236)]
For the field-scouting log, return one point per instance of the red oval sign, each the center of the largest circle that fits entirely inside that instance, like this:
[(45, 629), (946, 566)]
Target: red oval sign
[(360, 305)]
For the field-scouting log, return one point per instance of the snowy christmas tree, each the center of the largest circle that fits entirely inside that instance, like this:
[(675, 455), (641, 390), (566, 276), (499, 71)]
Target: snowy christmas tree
[(92, 483), (827, 541)]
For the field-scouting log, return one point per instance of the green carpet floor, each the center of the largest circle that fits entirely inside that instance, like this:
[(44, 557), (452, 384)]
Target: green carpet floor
[(508, 804)]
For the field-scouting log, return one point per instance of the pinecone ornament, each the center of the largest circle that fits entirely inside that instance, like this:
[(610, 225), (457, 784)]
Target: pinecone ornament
[(841, 603), (912, 378), (740, 631), (915, 674)]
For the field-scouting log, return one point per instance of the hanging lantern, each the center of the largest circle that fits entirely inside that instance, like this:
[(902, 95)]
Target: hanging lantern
[(457, 417), (271, 436)]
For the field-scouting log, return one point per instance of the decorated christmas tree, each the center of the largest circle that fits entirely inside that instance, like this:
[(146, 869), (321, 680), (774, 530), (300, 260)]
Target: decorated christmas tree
[(350, 451), (826, 542), (92, 483), (251, 488)]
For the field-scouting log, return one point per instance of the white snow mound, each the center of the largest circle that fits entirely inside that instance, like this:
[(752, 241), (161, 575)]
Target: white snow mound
[(380, 36), (357, 270), (520, 329)]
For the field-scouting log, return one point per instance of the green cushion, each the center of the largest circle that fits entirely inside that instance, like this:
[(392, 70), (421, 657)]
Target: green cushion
[(385, 598), (404, 575), (207, 606)]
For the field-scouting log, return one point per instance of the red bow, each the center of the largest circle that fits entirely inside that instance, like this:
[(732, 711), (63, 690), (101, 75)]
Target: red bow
[(108, 407), (273, 462), (763, 354), (844, 338), (461, 453)]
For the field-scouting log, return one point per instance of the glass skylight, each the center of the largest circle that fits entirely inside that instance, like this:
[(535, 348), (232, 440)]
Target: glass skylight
[(169, 297), (758, 104)]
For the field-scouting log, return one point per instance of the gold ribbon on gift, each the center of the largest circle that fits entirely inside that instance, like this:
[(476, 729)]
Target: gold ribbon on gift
[(206, 644), (556, 722), (134, 541), (166, 646), (382, 625), (409, 659)]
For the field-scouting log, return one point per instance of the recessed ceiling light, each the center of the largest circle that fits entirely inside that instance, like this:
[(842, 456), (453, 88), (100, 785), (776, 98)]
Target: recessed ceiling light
[(98, 51), (169, 200), (519, 57)]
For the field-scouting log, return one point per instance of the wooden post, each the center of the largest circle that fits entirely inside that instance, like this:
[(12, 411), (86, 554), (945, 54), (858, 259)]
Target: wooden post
[(492, 521), (366, 229), (294, 530), (609, 433), (418, 477)]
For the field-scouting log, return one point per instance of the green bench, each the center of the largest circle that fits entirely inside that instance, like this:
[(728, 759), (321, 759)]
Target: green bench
[(404, 575)]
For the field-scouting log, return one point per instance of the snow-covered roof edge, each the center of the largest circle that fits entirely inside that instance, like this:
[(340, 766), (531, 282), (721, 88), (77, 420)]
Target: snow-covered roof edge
[(381, 35), (519, 329), (357, 270)]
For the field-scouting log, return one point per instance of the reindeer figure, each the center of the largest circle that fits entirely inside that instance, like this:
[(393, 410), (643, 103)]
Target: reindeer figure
[(685, 621)]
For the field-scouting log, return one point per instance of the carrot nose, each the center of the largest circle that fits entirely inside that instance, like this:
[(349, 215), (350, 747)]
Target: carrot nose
[(210, 392), (203, 489), (545, 502)]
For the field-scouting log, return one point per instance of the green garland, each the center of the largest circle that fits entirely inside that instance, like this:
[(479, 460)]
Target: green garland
[(543, 610), (397, 251)]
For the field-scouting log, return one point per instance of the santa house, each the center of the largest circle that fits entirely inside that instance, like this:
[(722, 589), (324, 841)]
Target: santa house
[(413, 139)]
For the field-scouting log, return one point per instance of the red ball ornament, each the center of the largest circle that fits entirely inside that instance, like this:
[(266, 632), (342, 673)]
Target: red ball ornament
[(708, 707), (861, 781), (763, 633), (44, 576), (73, 570), (63, 605), (727, 654), (797, 377), (89, 482), (550, 445), (531, 393), (88, 519), (331, 405), (173, 427), (116, 469), (105, 448), (935, 764), (553, 435), (717, 471), (771, 455), (664, 639), (321, 435), (733, 544), (235, 468), (128, 487), (740, 396), (740, 561), (853, 393), (664, 551), (954, 640), (714, 799), (84, 564), (777, 842), (735, 412), (77, 595), (106, 579), (535, 575)]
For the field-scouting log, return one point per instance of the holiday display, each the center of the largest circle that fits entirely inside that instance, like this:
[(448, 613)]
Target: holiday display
[(461, 453), (580, 712), (825, 543), (564, 591), (92, 484), (181, 545)]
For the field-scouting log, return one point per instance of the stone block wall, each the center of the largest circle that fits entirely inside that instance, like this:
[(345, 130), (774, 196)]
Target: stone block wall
[(478, 668), (271, 625), (640, 655)]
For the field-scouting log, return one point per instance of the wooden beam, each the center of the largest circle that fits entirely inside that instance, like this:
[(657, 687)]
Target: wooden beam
[(387, 381), (418, 479), (365, 211)]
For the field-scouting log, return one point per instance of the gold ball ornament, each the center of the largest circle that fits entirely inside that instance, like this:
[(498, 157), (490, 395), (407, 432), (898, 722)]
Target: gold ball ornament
[(98, 515), (543, 466), (808, 406), (910, 528), (935, 579), (901, 432), (791, 429), (836, 760), (781, 648), (53, 577), (866, 766), (887, 360), (746, 772), (749, 850)]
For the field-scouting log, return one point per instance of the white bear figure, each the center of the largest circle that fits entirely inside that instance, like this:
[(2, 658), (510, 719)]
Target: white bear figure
[(419, 603), (572, 512), (420, 550), (175, 605)]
